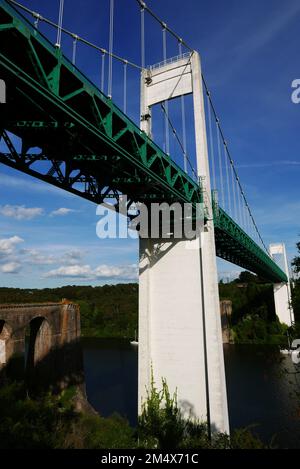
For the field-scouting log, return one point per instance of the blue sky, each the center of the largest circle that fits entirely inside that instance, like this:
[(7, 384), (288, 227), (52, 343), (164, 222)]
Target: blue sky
[(250, 56)]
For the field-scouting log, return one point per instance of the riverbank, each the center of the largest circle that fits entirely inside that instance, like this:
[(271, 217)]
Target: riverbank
[(261, 403), (261, 387)]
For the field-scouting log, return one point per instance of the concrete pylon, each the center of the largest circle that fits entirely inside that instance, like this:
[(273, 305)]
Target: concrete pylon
[(282, 291), (180, 335)]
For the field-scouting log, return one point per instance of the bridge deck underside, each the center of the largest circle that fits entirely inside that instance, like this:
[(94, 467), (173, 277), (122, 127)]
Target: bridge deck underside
[(86, 145)]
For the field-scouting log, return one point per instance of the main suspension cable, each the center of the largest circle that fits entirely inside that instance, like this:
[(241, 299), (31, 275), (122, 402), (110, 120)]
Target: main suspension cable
[(143, 5), (72, 34), (233, 167)]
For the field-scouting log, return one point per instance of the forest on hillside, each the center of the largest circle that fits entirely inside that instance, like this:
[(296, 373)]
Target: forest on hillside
[(111, 311)]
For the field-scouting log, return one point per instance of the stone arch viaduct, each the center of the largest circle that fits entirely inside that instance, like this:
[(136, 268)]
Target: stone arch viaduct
[(51, 356)]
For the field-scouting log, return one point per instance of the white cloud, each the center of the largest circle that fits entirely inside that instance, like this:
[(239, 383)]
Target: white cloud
[(127, 272), (61, 212), (11, 268), (20, 212), (33, 256), (36, 257), (72, 257), (7, 245), (30, 184), (78, 271)]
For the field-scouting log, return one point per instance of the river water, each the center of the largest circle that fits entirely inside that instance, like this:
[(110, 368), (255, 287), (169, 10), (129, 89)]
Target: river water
[(261, 386)]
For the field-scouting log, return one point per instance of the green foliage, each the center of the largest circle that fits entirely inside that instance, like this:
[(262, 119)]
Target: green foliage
[(250, 298), (27, 423), (253, 319), (296, 301), (296, 287), (50, 422), (252, 329), (248, 277), (162, 426), (95, 432), (243, 438), (296, 260)]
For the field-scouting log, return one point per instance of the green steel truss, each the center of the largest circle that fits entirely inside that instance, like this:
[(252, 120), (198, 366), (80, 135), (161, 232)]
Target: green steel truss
[(87, 145), (234, 245)]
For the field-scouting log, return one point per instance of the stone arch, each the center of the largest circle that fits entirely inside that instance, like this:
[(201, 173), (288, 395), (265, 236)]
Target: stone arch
[(39, 350), (5, 342)]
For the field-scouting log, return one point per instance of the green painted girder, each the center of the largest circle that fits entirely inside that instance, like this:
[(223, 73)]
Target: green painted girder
[(52, 82), (234, 245), (92, 148)]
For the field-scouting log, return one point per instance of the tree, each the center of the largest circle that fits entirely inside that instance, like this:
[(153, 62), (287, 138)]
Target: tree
[(296, 261), (296, 288)]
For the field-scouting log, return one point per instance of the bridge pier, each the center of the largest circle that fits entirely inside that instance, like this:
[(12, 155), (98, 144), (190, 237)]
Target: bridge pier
[(180, 335), (282, 291)]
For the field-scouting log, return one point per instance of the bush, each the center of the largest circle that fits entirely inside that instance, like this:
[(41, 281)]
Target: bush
[(162, 426), (254, 330), (51, 422)]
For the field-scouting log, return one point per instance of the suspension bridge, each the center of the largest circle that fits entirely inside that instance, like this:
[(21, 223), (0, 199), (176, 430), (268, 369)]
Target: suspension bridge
[(59, 126)]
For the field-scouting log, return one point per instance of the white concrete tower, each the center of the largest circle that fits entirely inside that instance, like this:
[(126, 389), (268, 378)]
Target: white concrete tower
[(282, 291), (180, 334)]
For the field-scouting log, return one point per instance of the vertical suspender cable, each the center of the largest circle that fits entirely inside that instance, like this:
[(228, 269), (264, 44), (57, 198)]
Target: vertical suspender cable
[(143, 59), (183, 121), (166, 104), (240, 211), (60, 22), (220, 163), (227, 178), (125, 87), (233, 190), (250, 224), (244, 220), (36, 23), (102, 71), (211, 141), (74, 50), (249, 220), (111, 46)]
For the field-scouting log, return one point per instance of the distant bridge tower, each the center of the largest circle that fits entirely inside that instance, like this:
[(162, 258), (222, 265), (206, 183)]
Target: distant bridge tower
[(180, 335), (2, 92), (282, 291)]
